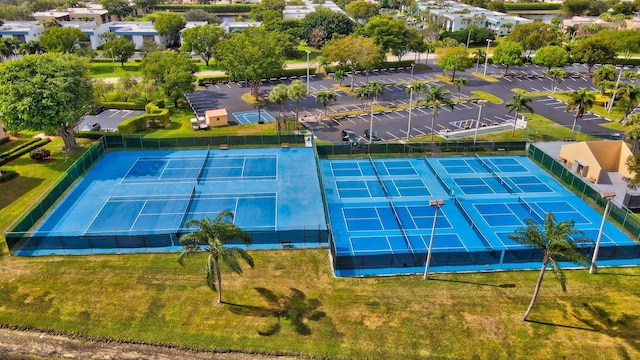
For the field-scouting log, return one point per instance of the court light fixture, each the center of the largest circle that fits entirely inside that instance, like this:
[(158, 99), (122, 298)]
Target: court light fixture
[(437, 203), (608, 196)]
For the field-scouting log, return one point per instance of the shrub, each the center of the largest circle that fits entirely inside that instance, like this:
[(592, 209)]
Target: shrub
[(7, 174), (155, 116), (22, 149), (40, 154), (122, 105)]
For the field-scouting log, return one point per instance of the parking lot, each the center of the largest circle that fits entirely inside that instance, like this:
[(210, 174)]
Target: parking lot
[(109, 119)]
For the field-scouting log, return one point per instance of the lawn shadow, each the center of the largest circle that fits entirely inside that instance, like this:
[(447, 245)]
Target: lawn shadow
[(616, 274), (625, 327), (503, 286), (16, 188), (294, 307)]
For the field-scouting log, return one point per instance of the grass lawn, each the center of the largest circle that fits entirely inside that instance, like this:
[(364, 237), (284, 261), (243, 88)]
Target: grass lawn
[(150, 298)]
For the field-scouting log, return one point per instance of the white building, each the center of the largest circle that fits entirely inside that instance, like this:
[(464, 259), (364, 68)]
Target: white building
[(298, 12), (90, 29), (22, 31), (139, 32), (231, 26), (453, 16)]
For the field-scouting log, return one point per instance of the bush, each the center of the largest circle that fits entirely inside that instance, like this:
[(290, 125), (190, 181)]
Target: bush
[(23, 149), (7, 174), (122, 105), (155, 117), (40, 154)]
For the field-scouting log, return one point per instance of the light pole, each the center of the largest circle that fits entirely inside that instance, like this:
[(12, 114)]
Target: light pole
[(413, 65), (437, 204), (410, 106), (610, 106), (486, 58), (113, 60), (371, 126), (308, 52), (475, 137), (607, 195)]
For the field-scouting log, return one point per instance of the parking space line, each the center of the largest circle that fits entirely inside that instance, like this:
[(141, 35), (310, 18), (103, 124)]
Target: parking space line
[(387, 115), (114, 113), (509, 80), (395, 137)]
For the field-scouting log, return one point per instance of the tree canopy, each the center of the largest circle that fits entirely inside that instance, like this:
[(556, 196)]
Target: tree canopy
[(508, 53), (48, 92), (202, 40), (252, 54), (362, 10), (550, 56), (118, 8), (330, 22), (592, 51), (122, 49), (64, 40), (388, 32), (169, 25), (171, 72), (534, 35), (353, 52), (455, 59)]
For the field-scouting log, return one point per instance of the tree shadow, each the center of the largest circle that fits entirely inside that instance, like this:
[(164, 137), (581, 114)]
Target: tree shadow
[(616, 274), (625, 327), (294, 307), (503, 286)]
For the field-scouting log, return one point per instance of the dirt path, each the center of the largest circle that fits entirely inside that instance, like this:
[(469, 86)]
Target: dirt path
[(31, 345)]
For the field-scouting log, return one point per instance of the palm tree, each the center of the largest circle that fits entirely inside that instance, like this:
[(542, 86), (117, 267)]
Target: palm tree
[(605, 74), (295, 91), (479, 55), (556, 76), (436, 95), (632, 95), (557, 243), (362, 93), (518, 103), (279, 96), (375, 89), (339, 75), (325, 97), (633, 130), (429, 49), (581, 101), (459, 83), (214, 235)]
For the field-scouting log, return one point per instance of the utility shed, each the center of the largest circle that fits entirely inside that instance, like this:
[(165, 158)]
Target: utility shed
[(216, 117)]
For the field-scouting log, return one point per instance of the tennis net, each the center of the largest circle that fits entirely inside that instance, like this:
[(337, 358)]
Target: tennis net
[(498, 178), (404, 233), (484, 164), (440, 179), (473, 223), (187, 209), (532, 211), (204, 164), (375, 170)]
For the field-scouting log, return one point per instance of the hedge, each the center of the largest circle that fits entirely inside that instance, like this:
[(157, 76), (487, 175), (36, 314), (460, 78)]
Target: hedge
[(222, 8), (105, 60), (4, 140), (386, 65), (629, 61), (513, 6), (21, 150), (23, 145), (7, 175), (122, 105), (155, 116)]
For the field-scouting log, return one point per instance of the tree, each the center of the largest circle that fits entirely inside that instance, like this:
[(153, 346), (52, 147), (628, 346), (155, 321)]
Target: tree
[(145, 4), (31, 47), (631, 75), (581, 101), (633, 164), (574, 7), (556, 76), (518, 103), (454, 59), (295, 91), (279, 95), (533, 36), (169, 25), (338, 76), (388, 32), (64, 40), (118, 8), (101, 89), (459, 83), (436, 95), (361, 94), (632, 125), (127, 83), (375, 89), (48, 92), (215, 236), (171, 72), (362, 10), (150, 46), (551, 56), (121, 48), (605, 73), (201, 15), (478, 56), (592, 51), (508, 53), (557, 243), (353, 52), (431, 47), (330, 22), (252, 54), (632, 95), (202, 40), (325, 97)]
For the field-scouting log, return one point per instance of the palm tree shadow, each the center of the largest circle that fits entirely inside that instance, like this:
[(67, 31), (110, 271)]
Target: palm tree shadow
[(294, 307), (503, 286), (625, 327)]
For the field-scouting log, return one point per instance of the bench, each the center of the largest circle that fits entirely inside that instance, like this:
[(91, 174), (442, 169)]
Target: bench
[(224, 147), (285, 145), (286, 244)]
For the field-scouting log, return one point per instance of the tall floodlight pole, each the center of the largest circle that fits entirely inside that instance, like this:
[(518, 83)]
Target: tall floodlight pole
[(413, 65), (437, 204), (308, 52), (371, 126), (481, 103), (610, 105), (410, 106), (486, 57), (607, 195)]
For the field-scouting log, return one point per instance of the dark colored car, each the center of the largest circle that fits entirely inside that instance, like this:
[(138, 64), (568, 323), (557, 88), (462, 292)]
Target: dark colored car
[(349, 136), (92, 126), (374, 135)]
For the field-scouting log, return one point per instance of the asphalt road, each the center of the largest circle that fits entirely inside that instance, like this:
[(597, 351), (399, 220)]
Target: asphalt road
[(109, 119), (393, 125)]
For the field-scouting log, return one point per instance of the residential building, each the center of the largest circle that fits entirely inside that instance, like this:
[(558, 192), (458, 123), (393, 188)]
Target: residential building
[(579, 22), (139, 32), (22, 31), (91, 29), (453, 16), (297, 12), (231, 26)]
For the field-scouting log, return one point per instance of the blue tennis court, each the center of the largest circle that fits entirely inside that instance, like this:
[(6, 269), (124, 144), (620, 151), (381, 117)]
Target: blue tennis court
[(248, 117), (382, 222), (139, 201)]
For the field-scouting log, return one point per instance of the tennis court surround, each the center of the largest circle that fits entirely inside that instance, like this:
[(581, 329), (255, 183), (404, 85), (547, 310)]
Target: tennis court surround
[(381, 220), (132, 201)]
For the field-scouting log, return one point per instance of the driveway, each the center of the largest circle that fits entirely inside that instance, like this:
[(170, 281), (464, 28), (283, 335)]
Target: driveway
[(110, 118)]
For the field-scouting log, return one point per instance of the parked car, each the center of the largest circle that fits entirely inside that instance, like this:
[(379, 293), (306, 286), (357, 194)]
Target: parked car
[(349, 136), (92, 126), (374, 135)]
